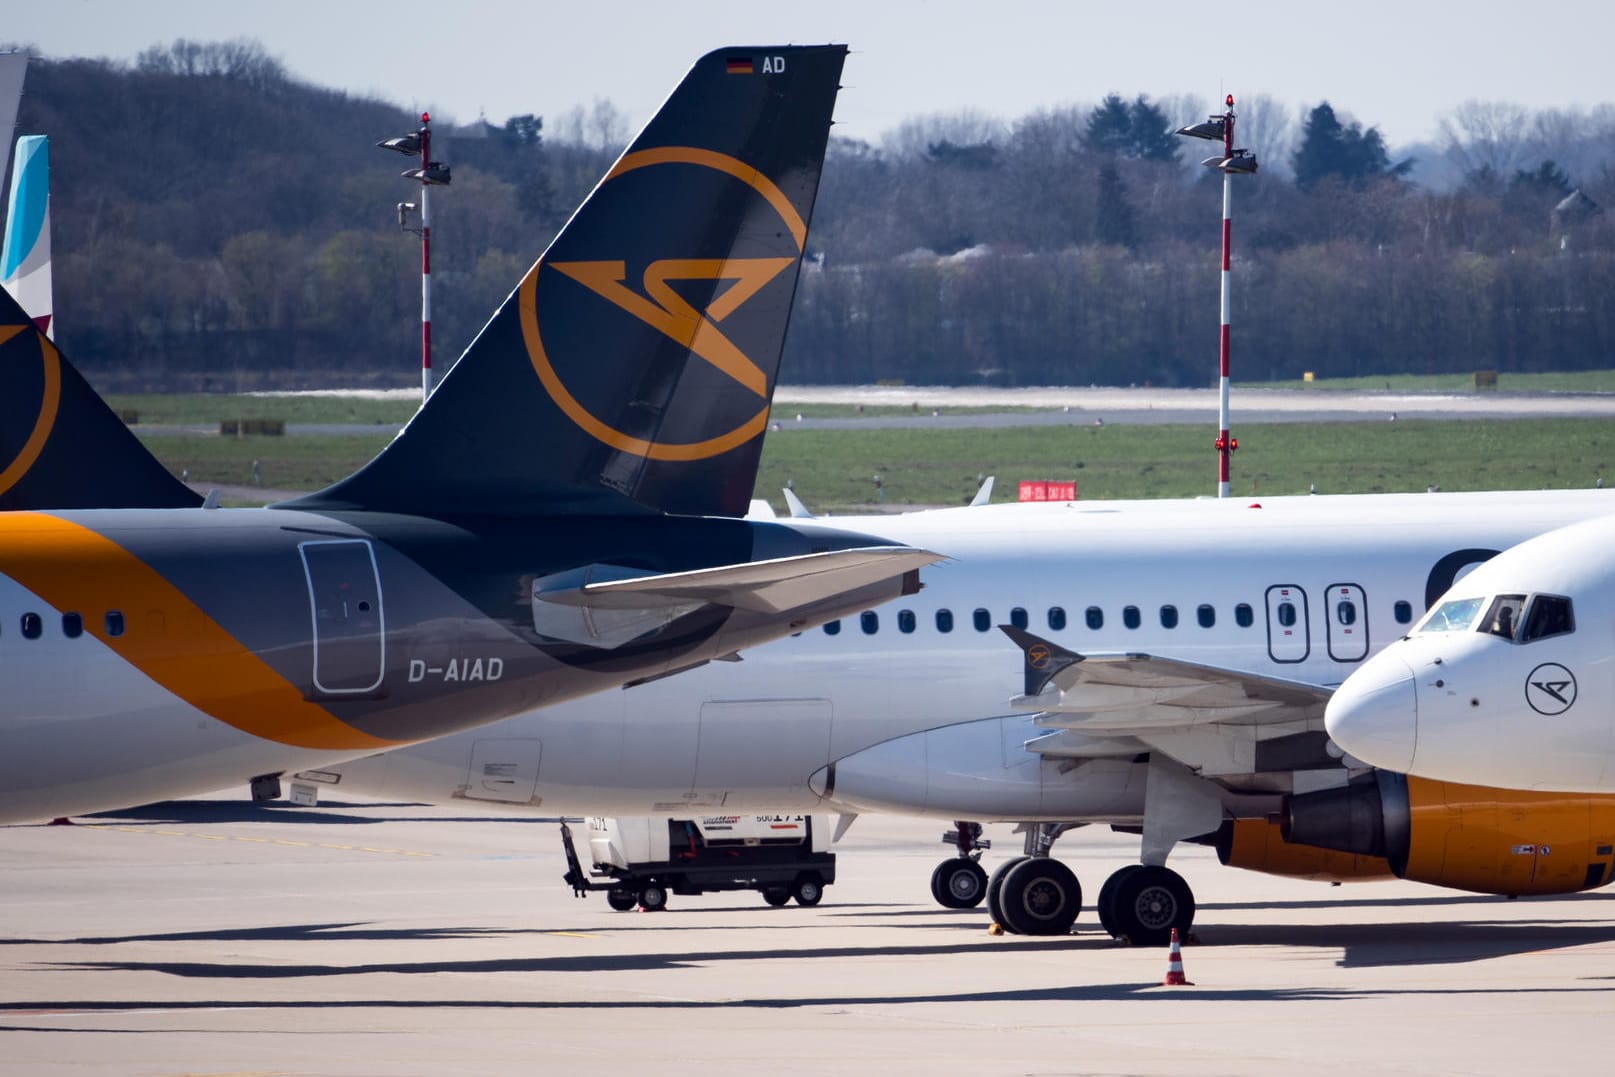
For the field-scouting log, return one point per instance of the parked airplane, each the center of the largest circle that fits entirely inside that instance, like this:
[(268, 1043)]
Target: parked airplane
[(1508, 681), (560, 518), (25, 254), (1177, 684)]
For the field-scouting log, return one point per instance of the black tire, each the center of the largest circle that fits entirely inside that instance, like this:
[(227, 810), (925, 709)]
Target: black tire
[(621, 900), (959, 884), (1106, 905), (1149, 902), (777, 895), (653, 897), (808, 889), (996, 884), (1040, 896)]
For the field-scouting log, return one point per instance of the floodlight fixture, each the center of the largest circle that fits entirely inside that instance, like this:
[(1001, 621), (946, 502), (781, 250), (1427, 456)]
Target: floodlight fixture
[(436, 173), (410, 144), (1211, 129)]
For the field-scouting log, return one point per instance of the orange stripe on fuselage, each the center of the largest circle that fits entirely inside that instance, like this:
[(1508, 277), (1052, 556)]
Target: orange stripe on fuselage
[(168, 638)]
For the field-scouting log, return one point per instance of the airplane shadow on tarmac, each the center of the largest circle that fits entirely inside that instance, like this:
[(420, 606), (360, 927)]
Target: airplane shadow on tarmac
[(1363, 945), (1112, 992), (198, 812)]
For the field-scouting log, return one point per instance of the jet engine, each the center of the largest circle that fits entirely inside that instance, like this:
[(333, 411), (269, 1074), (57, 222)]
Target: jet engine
[(1257, 845), (1467, 837)]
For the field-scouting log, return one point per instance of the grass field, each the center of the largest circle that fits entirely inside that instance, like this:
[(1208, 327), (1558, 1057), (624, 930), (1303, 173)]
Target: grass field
[(1582, 381), (833, 470)]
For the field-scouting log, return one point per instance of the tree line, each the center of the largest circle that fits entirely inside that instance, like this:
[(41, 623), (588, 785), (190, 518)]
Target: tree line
[(218, 224)]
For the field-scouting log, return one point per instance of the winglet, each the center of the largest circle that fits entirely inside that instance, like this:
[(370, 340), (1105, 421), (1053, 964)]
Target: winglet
[(1044, 660), (632, 368)]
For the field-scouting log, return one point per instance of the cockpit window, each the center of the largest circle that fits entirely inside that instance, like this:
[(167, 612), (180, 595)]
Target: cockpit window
[(1550, 615), (1454, 616), (1503, 616)]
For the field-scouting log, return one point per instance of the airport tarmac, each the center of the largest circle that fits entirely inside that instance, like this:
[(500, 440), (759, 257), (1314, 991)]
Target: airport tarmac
[(218, 937)]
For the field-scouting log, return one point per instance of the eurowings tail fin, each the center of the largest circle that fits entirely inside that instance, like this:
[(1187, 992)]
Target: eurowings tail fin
[(25, 254), (61, 447), (632, 368)]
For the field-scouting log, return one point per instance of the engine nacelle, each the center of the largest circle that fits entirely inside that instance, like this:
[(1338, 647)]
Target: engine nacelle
[(1257, 845), (1490, 841)]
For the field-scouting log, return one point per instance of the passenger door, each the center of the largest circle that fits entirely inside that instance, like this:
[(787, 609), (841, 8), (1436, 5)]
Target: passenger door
[(344, 593)]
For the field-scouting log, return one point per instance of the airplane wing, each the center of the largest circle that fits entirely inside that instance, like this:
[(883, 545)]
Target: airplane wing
[(1136, 693)]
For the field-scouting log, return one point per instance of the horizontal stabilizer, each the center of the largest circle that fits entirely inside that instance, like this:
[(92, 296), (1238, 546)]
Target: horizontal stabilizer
[(784, 583)]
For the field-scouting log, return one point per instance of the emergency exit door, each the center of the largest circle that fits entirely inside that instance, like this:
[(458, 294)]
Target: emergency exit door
[(1288, 639), (344, 593)]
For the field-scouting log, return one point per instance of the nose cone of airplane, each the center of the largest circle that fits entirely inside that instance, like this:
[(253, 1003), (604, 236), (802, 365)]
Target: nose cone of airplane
[(1374, 716)]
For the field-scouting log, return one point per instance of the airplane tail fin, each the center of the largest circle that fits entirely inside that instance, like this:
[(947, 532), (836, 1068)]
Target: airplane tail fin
[(25, 255), (61, 447), (632, 368)]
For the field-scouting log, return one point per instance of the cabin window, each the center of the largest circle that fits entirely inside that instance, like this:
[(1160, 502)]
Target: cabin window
[(1018, 618), (1244, 616), (1056, 618), (1169, 617), (1286, 614), (1550, 615), (1096, 618), (905, 621), (982, 620), (944, 620), (114, 623), (33, 626), (1403, 612), (830, 627), (1130, 617), (869, 620), (1206, 615), (72, 625), (1346, 612)]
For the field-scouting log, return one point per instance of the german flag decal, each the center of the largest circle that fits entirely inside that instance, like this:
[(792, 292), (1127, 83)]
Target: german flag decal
[(740, 65)]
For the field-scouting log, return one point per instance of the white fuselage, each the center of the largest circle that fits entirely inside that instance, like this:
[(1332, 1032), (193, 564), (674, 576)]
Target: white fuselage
[(1521, 704), (917, 720)]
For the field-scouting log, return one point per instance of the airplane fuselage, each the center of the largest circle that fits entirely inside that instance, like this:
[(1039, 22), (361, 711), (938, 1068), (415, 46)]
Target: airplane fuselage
[(905, 708), (183, 645)]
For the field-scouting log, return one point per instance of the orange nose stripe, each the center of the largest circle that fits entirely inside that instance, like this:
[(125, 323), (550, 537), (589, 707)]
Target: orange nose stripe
[(168, 637)]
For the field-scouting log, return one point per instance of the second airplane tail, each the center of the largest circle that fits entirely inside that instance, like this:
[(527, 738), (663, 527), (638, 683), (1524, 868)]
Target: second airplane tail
[(633, 366)]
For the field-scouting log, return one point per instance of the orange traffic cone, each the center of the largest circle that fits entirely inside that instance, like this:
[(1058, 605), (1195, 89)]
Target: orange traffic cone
[(1174, 966)]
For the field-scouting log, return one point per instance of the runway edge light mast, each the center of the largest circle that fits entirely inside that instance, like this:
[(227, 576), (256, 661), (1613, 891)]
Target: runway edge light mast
[(431, 173), (1230, 162)]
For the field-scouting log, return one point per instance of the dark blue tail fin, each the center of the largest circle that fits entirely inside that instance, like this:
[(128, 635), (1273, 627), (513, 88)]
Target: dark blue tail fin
[(633, 366), (61, 447)]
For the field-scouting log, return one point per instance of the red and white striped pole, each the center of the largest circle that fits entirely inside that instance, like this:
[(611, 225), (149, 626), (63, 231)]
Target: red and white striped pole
[(425, 259), (1225, 444)]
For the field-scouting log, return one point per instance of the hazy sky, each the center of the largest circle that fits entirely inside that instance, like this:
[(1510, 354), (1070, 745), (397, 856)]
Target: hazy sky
[(1397, 65)]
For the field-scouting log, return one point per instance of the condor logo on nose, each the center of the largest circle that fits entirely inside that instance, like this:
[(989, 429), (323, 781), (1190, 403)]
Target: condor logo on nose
[(1550, 689), (655, 301)]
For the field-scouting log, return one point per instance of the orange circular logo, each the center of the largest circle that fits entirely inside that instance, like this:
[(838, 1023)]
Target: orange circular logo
[(1037, 656), (657, 304), (49, 400)]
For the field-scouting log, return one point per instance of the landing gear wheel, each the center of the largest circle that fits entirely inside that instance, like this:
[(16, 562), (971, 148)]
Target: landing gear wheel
[(1149, 902), (995, 885), (809, 889), (959, 884), (621, 900), (652, 897), (776, 896), (1106, 905), (1040, 896)]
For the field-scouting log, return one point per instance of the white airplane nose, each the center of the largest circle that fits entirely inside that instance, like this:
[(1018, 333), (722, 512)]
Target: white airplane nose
[(1374, 716)]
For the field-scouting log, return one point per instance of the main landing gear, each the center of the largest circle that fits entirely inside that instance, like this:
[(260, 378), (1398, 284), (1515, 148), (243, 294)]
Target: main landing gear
[(1036, 894), (961, 883)]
